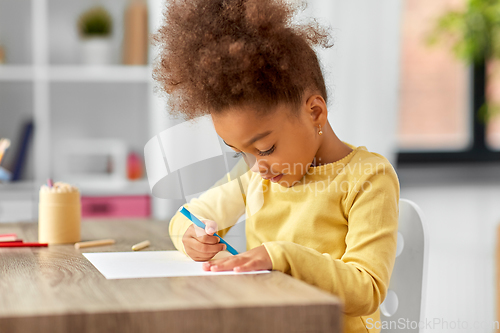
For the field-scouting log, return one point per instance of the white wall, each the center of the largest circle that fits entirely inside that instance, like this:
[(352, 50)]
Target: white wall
[(362, 70), (462, 212), (17, 46)]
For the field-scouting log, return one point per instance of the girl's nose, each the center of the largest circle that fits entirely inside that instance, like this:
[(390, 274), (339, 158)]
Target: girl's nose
[(256, 165)]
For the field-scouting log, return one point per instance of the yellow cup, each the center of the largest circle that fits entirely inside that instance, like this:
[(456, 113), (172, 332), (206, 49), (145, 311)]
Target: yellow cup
[(59, 217)]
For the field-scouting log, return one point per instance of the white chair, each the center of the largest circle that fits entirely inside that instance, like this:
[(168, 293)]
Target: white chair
[(403, 306)]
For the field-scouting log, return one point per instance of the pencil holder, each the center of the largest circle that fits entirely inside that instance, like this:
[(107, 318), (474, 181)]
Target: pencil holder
[(59, 214)]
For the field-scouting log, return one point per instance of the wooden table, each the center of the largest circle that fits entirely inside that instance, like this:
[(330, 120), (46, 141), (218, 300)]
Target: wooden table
[(56, 289)]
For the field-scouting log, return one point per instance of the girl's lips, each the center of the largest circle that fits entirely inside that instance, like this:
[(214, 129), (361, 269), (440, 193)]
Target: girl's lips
[(277, 178)]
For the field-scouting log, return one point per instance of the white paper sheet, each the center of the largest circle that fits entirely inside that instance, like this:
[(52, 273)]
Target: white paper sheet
[(148, 264)]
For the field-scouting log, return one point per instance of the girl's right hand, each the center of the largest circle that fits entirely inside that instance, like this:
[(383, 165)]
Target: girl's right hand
[(200, 244)]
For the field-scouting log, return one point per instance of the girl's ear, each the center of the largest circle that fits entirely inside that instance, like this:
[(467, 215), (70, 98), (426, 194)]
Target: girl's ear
[(316, 107)]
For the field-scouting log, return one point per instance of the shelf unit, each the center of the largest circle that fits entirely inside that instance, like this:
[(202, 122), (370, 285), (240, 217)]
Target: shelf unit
[(16, 73), (50, 86)]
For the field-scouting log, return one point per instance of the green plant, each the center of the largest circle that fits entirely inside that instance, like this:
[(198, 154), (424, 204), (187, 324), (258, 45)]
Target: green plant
[(473, 34), (95, 22)]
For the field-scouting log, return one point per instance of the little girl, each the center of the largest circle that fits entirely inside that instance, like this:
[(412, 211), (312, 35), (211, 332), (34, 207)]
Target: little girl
[(317, 208)]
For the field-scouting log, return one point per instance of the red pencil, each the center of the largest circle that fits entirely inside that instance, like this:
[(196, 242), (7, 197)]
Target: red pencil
[(8, 239), (11, 241), (13, 244)]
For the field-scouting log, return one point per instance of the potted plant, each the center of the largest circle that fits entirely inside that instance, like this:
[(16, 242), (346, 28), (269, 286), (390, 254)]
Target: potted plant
[(95, 28), (473, 34)]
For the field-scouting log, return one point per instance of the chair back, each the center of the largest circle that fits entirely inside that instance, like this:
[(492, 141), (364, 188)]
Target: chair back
[(403, 307)]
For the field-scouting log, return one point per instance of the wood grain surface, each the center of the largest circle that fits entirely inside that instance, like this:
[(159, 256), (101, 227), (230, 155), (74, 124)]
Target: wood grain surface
[(497, 278), (56, 289)]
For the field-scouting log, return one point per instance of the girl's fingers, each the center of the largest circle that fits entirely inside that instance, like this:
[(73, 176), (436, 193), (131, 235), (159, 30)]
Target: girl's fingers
[(251, 265), (202, 238), (198, 255), (216, 262), (210, 226), (256, 259), (199, 231), (226, 264), (207, 239), (207, 248)]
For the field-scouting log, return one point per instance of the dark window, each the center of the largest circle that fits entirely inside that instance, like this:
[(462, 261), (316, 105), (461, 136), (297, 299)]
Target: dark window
[(438, 119)]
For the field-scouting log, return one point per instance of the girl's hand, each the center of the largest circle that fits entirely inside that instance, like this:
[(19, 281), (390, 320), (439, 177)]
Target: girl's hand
[(257, 259), (200, 244)]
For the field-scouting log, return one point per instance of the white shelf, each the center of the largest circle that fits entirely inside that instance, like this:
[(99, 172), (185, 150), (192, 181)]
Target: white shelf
[(79, 73), (115, 73), (16, 73), (19, 186), (47, 75), (87, 187), (109, 187)]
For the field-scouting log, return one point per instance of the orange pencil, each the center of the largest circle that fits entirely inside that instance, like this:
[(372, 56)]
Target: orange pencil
[(4, 145)]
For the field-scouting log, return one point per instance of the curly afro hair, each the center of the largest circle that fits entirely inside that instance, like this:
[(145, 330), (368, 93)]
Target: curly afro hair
[(216, 54)]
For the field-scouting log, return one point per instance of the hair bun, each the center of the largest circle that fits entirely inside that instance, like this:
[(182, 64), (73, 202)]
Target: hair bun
[(214, 54)]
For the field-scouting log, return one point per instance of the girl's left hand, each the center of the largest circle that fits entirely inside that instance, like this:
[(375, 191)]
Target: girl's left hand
[(257, 259)]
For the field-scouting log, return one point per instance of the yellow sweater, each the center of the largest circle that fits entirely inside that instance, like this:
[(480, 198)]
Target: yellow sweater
[(336, 229)]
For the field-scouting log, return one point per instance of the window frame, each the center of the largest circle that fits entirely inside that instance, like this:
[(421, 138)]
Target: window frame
[(478, 151)]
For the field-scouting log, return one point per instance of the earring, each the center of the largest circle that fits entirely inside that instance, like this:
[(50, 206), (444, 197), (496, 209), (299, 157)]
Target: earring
[(320, 131)]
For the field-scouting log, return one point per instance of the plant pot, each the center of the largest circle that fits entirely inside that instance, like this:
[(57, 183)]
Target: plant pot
[(96, 51)]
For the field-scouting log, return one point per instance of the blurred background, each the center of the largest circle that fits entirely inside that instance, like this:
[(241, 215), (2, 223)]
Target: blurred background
[(78, 104)]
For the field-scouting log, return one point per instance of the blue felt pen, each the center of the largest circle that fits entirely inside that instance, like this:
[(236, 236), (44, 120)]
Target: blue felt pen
[(200, 224)]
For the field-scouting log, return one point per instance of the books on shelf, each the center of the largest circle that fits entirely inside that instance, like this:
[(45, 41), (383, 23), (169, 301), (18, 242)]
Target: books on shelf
[(123, 206), (26, 134)]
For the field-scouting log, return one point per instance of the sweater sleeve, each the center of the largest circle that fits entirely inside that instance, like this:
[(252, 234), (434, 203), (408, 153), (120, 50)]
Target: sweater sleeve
[(223, 203), (361, 276)]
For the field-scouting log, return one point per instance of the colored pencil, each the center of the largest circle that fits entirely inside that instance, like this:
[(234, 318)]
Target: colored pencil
[(8, 237), (13, 244), (94, 243), (141, 245), (200, 224), (4, 145)]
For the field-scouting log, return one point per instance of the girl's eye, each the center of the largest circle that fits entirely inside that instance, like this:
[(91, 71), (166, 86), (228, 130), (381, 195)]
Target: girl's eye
[(267, 152), (238, 154), (261, 153)]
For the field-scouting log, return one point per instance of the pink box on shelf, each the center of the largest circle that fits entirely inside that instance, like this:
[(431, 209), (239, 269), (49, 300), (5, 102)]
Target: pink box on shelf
[(116, 206)]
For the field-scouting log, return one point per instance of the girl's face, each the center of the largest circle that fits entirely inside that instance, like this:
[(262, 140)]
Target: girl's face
[(279, 146)]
